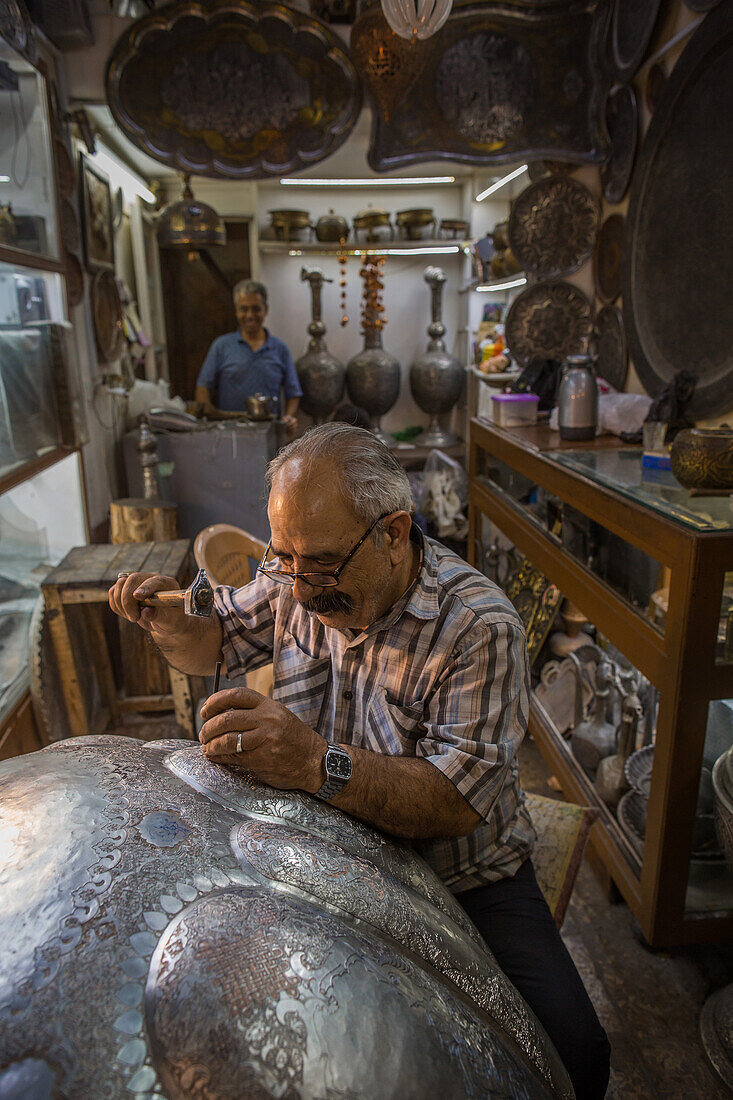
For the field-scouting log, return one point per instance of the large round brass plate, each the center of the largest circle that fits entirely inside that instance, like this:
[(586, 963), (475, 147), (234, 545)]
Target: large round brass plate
[(621, 120), (609, 340), (608, 260), (551, 320), (553, 226), (677, 282), (107, 316)]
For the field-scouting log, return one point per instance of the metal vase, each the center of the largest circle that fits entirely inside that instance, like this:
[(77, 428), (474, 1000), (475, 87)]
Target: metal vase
[(436, 377), (321, 375), (373, 380)]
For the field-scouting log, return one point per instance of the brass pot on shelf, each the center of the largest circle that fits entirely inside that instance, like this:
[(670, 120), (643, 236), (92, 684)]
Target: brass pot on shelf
[(332, 228), (412, 222), (371, 219), (286, 223)]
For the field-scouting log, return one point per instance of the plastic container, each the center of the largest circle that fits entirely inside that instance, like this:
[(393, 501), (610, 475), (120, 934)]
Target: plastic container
[(512, 410)]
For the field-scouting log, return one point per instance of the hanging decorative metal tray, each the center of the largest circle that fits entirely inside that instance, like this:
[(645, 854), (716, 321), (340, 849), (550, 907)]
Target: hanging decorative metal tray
[(609, 258), (553, 226), (74, 278), (680, 232), (656, 78), (234, 88), (107, 315), (537, 601), (487, 90), (622, 123), (609, 343), (551, 320), (631, 28)]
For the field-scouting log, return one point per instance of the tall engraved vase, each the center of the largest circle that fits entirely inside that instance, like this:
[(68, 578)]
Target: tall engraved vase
[(436, 377), (321, 375), (373, 380)]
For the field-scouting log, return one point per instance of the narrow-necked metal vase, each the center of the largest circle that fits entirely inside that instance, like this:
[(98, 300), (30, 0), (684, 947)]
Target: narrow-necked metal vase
[(436, 377), (373, 377), (321, 374)]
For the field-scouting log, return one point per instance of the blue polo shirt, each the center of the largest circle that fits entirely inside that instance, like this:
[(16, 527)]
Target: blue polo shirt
[(234, 372)]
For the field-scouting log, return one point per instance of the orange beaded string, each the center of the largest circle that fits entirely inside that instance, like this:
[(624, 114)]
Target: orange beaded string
[(342, 258)]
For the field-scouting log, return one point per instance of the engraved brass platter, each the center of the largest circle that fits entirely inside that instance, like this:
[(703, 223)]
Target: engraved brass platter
[(609, 257), (172, 928), (622, 123), (550, 319), (553, 226), (632, 24), (609, 344), (234, 88), (680, 229)]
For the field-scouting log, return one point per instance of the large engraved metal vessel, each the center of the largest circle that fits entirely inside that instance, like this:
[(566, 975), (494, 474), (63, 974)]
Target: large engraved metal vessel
[(320, 374), (373, 380), (436, 377), (170, 927)]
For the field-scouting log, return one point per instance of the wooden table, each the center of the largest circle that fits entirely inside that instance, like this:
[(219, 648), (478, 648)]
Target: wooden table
[(84, 577)]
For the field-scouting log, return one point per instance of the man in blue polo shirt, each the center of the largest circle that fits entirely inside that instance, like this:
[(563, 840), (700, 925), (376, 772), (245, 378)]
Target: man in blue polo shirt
[(249, 361)]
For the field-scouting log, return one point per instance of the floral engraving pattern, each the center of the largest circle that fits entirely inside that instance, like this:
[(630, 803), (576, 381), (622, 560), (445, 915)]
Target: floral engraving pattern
[(553, 226), (551, 320)]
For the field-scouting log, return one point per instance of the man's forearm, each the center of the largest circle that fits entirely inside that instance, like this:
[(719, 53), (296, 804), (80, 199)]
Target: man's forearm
[(194, 650), (404, 796), (291, 406)]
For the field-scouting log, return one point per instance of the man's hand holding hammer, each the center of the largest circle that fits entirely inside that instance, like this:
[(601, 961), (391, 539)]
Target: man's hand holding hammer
[(180, 623)]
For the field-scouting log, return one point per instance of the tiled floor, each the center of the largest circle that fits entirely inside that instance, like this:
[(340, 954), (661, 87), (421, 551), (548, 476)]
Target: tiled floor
[(649, 1002)]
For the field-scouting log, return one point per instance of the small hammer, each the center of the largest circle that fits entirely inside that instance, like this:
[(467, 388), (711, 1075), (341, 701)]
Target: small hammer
[(197, 599)]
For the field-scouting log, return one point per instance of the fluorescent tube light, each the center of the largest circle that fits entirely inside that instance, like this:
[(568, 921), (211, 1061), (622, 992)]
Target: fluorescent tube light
[(122, 176), (502, 286), (4, 179), (435, 250), (500, 183), (395, 181)]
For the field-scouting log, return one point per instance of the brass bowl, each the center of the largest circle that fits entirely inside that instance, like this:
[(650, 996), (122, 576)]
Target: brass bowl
[(332, 228), (702, 459), (418, 216), (287, 222), (371, 218)]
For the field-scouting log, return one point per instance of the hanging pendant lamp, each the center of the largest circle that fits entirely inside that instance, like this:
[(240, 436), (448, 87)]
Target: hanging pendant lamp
[(416, 18), (189, 223)]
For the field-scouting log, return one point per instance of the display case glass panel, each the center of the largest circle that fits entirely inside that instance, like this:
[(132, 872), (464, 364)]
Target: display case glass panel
[(30, 301), (40, 521), (710, 881), (28, 215)]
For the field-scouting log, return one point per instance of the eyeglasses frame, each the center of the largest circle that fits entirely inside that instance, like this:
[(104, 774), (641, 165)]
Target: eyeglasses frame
[(290, 578)]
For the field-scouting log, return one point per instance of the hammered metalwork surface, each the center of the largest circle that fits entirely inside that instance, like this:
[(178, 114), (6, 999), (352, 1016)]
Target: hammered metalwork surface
[(609, 344), (680, 234), (553, 226), (140, 955), (550, 319), (622, 122), (487, 89), (234, 88)]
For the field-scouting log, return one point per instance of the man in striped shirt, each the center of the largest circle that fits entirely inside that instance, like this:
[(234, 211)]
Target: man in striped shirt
[(412, 665)]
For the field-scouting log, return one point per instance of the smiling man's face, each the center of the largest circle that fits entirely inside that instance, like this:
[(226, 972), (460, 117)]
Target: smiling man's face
[(251, 312), (313, 530)]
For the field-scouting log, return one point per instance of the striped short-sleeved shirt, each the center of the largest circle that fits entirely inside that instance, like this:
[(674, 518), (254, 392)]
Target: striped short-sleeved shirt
[(442, 676)]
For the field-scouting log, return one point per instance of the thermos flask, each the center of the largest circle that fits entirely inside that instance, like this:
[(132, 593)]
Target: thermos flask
[(577, 399)]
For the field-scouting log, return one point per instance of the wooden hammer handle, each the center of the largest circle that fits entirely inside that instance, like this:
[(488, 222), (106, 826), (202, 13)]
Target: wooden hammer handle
[(165, 599)]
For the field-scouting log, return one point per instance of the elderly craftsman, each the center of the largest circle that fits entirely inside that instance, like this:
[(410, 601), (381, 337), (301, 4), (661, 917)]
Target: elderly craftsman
[(401, 696), (248, 361)]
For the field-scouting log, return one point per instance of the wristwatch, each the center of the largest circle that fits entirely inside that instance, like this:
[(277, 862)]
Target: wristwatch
[(337, 765)]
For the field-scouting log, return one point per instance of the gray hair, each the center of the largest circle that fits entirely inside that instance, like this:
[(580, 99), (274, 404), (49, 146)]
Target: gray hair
[(371, 479), (250, 286)]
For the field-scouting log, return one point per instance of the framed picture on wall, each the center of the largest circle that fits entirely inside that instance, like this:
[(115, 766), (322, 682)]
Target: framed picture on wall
[(97, 214)]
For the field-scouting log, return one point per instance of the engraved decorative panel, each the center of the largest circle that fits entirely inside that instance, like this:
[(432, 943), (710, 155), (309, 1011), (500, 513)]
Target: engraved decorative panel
[(553, 226), (551, 320), (233, 88), (216, 949)]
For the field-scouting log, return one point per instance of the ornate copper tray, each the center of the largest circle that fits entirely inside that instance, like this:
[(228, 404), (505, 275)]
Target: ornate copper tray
[(622, 123), (609, 258), (537, 601), (487, 90), (233, 88), (631, 28), (553, 226), (551, 320), (680, 238), (107, 315), (609, 342), (74, 279)]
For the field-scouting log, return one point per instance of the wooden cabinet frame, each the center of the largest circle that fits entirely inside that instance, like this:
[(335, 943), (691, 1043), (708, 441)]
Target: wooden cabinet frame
[(680, 663)]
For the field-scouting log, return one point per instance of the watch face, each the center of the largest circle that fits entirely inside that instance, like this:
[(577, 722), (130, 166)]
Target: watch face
[(338, 764)]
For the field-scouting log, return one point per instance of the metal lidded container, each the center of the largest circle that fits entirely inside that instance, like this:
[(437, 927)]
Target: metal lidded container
[(577, 399)]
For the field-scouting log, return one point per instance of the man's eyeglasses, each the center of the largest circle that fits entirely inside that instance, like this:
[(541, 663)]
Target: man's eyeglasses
[(279, 572)]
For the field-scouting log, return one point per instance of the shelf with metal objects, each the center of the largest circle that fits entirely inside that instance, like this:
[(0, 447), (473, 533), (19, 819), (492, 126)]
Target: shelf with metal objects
[(388, 247)]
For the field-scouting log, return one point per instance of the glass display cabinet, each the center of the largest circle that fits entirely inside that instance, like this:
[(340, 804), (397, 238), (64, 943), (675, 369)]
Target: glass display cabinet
[(649, 567)]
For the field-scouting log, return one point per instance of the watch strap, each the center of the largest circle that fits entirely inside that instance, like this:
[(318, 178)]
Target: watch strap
[(332, 783)]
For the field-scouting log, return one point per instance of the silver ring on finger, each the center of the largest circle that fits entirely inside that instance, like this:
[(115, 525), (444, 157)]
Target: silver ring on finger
[(123, 576), (239, 742)]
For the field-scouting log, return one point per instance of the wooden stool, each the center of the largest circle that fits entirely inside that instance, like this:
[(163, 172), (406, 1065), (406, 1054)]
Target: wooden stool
[(84, 577), (562, 834)]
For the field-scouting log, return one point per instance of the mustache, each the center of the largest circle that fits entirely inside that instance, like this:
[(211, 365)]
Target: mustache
[(329, 603)]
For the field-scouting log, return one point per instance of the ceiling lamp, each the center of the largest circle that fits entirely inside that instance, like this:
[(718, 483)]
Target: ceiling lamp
[(416, 18), (189, 224)]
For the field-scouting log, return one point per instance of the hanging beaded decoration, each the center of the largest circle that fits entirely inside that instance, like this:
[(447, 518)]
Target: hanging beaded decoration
[(342, 257), (372, 309)]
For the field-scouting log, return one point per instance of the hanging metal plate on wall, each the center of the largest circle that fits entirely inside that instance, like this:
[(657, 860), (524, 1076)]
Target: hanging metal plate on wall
[(609, 342), (490, 89), (233, 89), (680, 229), (553, 226), (631, 28), (551, 320)]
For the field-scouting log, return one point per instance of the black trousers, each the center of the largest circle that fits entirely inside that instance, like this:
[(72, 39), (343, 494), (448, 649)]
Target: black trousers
[(514, 920)]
